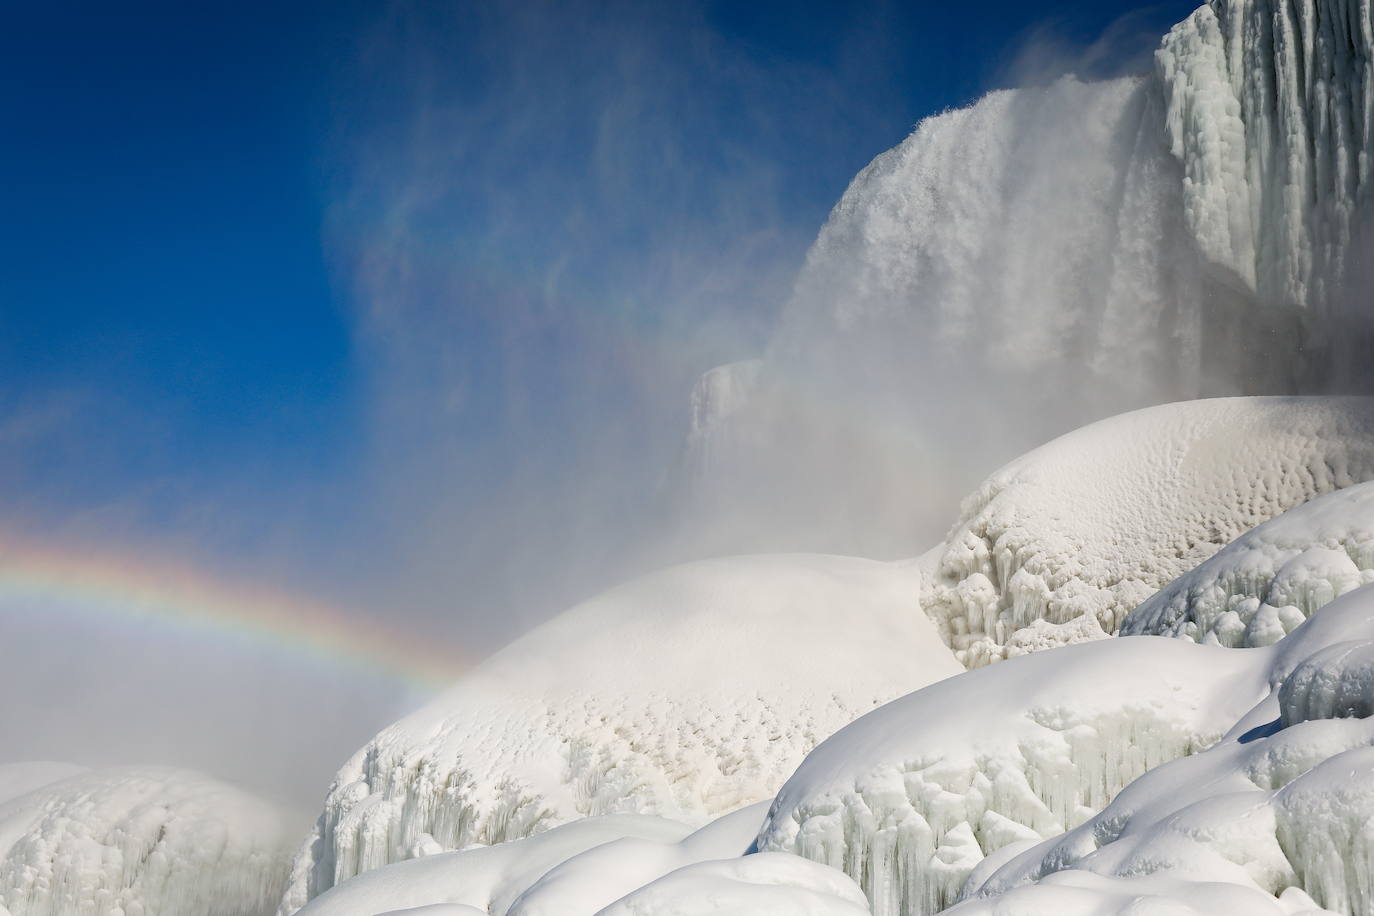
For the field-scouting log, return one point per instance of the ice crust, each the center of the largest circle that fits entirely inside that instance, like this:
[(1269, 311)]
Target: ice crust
[(1278, 817), (1059, 545), (1257, 589), (137, 842), (687, 694)]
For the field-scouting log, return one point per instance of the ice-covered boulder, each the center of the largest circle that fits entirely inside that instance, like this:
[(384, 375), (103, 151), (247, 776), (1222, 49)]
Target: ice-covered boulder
[(763, 884), (687, 693), (1270, 579), (950, 787), (910, 798), (615, 864), (138, 842), (1060, 544), (1278, 817), (599, 877), (488, 879), (1269, 109)]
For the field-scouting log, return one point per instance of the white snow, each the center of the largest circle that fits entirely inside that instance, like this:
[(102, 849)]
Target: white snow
[(688, 693), (488, 879), (1278, 817), (910, 798), (1261, 586), (1060, 544), (764, 884), (615, 865), (137, 842)]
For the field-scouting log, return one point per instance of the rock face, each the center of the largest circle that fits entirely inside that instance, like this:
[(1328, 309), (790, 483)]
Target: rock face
[(685, 694), (137, 842)]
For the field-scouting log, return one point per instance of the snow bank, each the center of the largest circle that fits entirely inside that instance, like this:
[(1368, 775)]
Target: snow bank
[(1059, 545), (687, 693), (138, 842), (1275, 818), (1261, 586)]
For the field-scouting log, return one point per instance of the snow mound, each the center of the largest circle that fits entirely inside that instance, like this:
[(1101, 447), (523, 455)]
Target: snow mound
[(910, 798), (1261, 586), (488, 879), (763, 884), (1278, 817), (588, 882), (687, 693), (1059, 545), (138, 842)]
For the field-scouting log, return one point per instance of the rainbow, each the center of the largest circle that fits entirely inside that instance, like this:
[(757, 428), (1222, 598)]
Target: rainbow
[(195, 604)]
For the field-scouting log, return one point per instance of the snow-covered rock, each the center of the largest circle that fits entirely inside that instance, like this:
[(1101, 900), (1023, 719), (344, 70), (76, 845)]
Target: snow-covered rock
[(910, 798), (586, 883), (488, 879), (137, 842), (687, 693), (1262, 585), (1060, 544), (763, 884), (1275, 818)]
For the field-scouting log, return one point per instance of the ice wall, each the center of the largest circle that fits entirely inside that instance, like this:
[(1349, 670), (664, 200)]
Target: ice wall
[(1269, 107)]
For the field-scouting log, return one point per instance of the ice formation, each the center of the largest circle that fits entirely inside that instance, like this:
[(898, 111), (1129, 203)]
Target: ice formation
[(137, 842), (1268, 581), (687, 694), (1276, 818), (1270, 107), (908, 799), (1059, 545)]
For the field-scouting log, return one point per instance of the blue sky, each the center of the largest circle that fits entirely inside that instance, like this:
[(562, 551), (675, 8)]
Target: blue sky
[(400, 303)]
